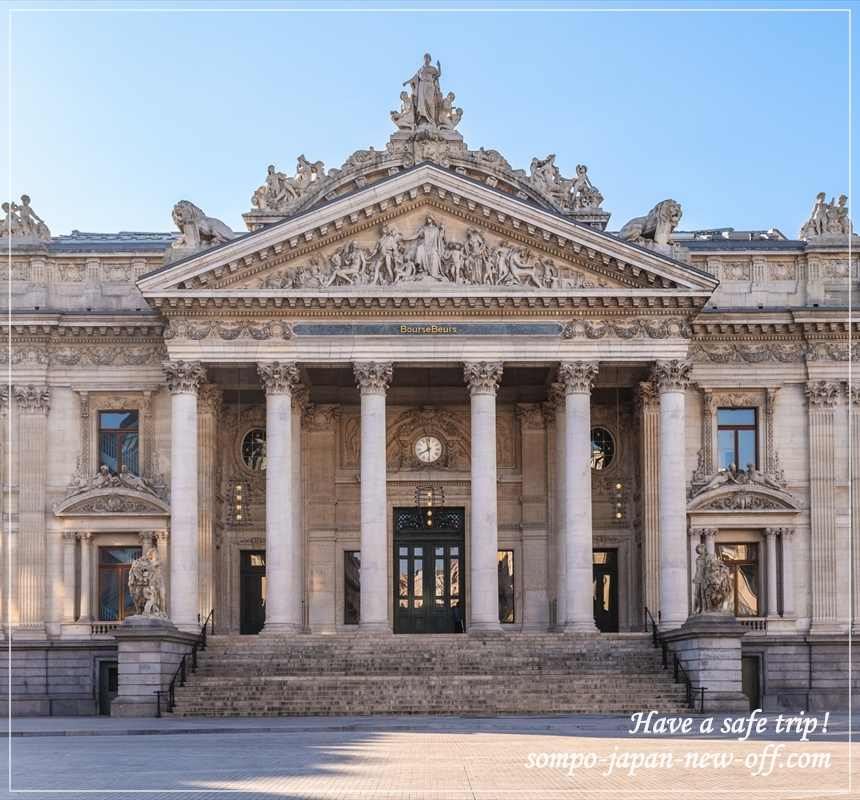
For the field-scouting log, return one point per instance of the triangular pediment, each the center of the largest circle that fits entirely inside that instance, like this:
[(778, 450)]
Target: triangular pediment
[(427, 230)]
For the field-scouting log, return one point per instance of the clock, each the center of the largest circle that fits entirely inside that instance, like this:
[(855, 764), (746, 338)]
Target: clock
[(428, 449)]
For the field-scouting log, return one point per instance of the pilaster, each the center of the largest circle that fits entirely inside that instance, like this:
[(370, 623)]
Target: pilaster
[(208, 414), (648, 402)]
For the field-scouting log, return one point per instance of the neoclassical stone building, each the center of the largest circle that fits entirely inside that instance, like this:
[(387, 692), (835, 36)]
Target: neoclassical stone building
[(428, 392)]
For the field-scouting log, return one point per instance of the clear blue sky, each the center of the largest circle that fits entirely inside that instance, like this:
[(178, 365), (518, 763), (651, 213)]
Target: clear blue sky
[(116, 115)]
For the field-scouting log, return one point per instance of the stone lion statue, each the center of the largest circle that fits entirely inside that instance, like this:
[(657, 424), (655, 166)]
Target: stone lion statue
[(197, 229), (656, 226), (146, 585)]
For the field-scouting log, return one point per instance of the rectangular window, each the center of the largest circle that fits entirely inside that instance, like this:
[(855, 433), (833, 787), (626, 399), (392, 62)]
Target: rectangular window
[(115, 603), (351, 586), (506, 585), (119, 441), (742, 560), (737, 437)]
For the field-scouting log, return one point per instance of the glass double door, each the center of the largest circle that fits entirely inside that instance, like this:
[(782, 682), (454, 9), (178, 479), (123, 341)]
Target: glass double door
[(429, 590)]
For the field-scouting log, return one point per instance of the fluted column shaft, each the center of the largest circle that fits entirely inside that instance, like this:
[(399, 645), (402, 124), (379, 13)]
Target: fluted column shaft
[(649, 450), (483, 378), (86, 540), (208, 411), (283, 547), (183, 382), (33, 404), (672, 378), (788, 609), (824, 553), (772, 602), (373, 379), (577, 378), (559, 414)]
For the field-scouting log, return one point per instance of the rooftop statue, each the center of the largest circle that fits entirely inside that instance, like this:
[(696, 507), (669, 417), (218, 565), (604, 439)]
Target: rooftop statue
[(827, 219), (425, 107), (198, 230), (22, 222), (656, 227), (577, 194), (280, 190)]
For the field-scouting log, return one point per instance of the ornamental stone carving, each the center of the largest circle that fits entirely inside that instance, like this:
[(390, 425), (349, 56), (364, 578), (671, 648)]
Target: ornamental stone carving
[(373, 377), (105, 479), (577, 376), (673, 375), (822, 394), (184, 376), (712, 582), (748, 353), (740, 475), (278, 377), (827, 219), (573, 194), (198, 231), (281, 191), (644, 327), (210, 399), (4, 399), (656, 227), (146, 585), (22, 224), (424, 109), (483, 377), (33, 399)]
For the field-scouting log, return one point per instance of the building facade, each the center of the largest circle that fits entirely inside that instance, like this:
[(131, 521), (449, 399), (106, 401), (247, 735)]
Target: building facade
[(429, 392)]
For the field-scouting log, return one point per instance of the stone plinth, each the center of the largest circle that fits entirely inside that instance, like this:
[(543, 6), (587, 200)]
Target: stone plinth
[(709, 648), (149, 652)]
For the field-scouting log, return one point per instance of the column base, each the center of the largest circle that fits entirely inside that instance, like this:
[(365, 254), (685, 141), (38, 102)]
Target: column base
[(580, 627), (485, 627), (375, 627), (281, 629)]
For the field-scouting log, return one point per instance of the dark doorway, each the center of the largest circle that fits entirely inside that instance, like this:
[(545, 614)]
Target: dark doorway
[(252, 591), (751, 680), (108, 685), (605, 573), (429, 570)]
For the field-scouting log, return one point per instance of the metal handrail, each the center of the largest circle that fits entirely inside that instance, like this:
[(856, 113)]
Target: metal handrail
[(181, 673), (679, 673)]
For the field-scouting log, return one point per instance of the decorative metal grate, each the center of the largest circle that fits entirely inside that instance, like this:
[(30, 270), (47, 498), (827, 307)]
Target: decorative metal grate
[(440, 519)]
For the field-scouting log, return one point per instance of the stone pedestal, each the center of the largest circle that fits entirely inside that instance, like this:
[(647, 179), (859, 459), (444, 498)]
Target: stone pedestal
[(149, 651), (709, 648)]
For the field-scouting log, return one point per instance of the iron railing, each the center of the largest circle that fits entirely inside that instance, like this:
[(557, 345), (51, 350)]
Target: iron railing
[(679, 673), (181, 674)]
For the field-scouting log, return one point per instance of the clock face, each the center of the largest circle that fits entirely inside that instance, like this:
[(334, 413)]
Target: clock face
[(428, 449)]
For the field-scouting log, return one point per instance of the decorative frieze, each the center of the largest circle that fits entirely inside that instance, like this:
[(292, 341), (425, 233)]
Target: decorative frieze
[(483, 377), (320, 417), (577, 376), (373, 377), (228, 330), (278, 377), (33, 399), (672, 375), (628, 328), (747, 352), (184, 377), (103, 355)]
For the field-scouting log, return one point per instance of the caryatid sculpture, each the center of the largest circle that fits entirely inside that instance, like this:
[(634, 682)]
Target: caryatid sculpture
[(827, 219), (425, 107)]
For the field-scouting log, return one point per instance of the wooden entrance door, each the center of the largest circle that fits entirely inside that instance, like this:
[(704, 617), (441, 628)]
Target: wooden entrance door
[(429, 570)]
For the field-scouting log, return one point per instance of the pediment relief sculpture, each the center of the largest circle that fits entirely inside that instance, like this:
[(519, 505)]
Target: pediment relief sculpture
[(827, 219), (449, 428), (111, 493), (742, 490), (430, 255)]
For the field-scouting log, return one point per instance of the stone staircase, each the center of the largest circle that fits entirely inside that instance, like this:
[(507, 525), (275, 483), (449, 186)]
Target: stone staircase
[(315, 675)]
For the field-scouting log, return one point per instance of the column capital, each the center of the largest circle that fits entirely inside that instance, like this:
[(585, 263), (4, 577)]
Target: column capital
[(162, 535), (483, 377), (373, 377), (84, 536), (822, 394), (706, 532), (209, 399), (647, 396), (772, 532), (786, 533), (672, 375), (70, 536), (577, 377), (183, 377), (278, 377), (852, 391), (33, 399), (146, 535)]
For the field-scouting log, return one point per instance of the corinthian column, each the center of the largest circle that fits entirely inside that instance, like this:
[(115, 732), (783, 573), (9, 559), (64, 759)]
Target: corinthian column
[(33, 404), (483, 378), (283, 545), (672, 378), (854, 411), (557, 409), (649, 474), (86, 603), (183, 382), (577, 378), (208, 410), (824, 553), (373, 379)]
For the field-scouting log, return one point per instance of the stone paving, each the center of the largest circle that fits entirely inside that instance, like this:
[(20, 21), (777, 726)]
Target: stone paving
[(412, 758)]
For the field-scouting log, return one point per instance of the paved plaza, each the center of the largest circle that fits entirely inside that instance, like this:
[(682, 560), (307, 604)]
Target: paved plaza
[(412, 758)]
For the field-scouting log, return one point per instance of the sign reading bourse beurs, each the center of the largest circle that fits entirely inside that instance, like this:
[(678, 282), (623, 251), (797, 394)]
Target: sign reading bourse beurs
[(427, 329)]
